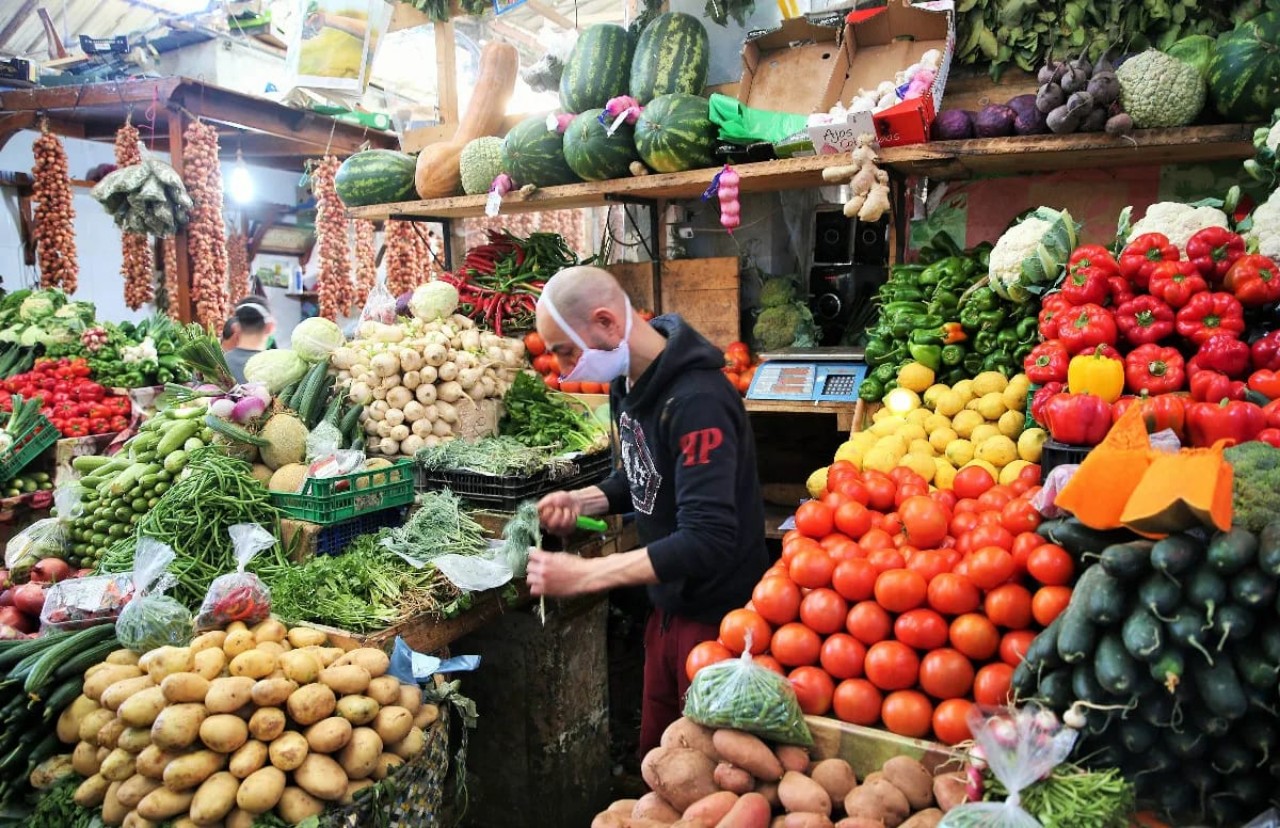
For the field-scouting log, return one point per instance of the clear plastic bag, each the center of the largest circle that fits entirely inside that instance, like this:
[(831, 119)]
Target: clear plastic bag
[(46, 537), (337, 463), (153, 619), (380, 306), (324, 441), (741, 694), (239, 595), (84, 602), (1021, 746)]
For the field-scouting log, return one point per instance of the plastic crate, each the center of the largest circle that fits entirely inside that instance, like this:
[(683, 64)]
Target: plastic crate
[(505, 493), (334, 539), (330, 500), (28, 447), (1055, 454)]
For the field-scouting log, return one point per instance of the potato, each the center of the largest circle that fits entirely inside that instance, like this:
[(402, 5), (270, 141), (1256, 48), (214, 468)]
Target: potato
[(212, 640), (267, 723), (208, 664), (272, 692), (84, 759), (800, 794), (134, 739), (411, 745), (749, 753), (652, 806), (689, 734), (321, 777), (190, 770), (273, 648), (163, 803), (269, 630), (118, 693), (238, 642), (385, 690), (184, 688), (950, 790), (385, 764), (142, 708), (300, 666), (261, 791), (152, 761), (793, 758), (229, 694), (372, 660), (910, 777), (92, 791), (308, 705), (806, 821), (178, 726), (428, 715), (188, 822), (215, 798), (393, 724), (240, 818), (410, 698), (133, 820), (255, 664), (354, 786), (307, 637), (122, 656), (224, 733), (836, 778), (347, 679), (878, 799), (681, 776), (928, 818), (113, 813), (623, 806), (326, 655), (107, 676), (750, 811), (165, 661), (251, 756), (769, 790), (296, 805), (134, 788), (329, 735), (735, 780), (102, 754), (68, 728), (118, 766), (359, 710), (289, 751), (711, 809), (109, 733), (359, 757)]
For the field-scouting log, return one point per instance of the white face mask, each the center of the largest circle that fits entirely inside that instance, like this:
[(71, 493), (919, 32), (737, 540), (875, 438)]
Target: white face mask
[(595, 364)]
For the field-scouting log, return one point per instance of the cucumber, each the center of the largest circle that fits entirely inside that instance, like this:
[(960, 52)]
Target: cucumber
[(17, 652), (176, 435), (1269, 549), (1115, 669), (1220, 690), (1177, 800), (61, 651), (1254, 669), (1055, 689), (1187, 743), (1231, 623), (1270, 642), (1168, 669), (350, 421), (289, 391), (1188, 629), (1157, 710), (62, 696), (1127, 561), (233, 432), (1205, 588), (1107, 601), (89, 462), (1078, 539), (1229, 758), (1259, 734), (1253, 588), (1248, 788), (1176, 554), (75, 665), (1085, 686), (1159, 595), (1230, 552), (1137, 737), (1141, 635), (332, 413), (1077, 635)]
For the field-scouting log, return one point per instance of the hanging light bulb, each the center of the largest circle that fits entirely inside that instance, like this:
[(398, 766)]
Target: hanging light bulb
[(240, 184)]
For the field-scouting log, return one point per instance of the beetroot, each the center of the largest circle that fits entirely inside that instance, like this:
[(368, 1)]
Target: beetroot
[(952, 125), (994, 121), (1028, 120)]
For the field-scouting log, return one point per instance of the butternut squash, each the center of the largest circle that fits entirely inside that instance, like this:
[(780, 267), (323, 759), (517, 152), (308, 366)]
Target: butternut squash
[(438, 174), (1181, 491), (1101, 487)]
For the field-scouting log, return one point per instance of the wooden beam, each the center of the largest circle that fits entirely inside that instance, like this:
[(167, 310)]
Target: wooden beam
[(112, 93), (549, 13), (14, 122), (511, 33), (20, 16), (446, 72), (177, 123), (56, 49)]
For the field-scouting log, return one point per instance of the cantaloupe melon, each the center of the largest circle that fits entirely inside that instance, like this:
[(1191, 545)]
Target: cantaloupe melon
[(288, 478), (287, 439)]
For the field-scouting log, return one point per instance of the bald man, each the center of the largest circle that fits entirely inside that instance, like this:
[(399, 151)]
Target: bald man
[(688, 473)]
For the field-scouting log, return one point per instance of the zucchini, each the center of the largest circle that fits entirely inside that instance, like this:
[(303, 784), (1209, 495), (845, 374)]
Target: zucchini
[(1078, 539), (1229, 758), (89, 462), (1055, 689), (1127, 561), (1158, 710), (1177, 800), (1230, 552), (1253, 588), (1176, 554), (1270, 641), (1115, 669), (1141, 635), (176, 435), (233, 432), (1269, 549), (1077, 634), (1205, 589), (1137, 737), (1160, 595), (1220, 690), (1259, 734), (1188, 629), (1168, 668), (1107, 601), (1248, 788)]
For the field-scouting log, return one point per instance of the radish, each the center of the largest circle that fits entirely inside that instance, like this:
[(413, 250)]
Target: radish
[(248, 408), (29, 598), (730, 209), (50, 571), (222, 407)]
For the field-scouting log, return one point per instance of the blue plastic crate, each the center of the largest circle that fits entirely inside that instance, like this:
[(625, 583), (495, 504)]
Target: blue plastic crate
[(334, 538)]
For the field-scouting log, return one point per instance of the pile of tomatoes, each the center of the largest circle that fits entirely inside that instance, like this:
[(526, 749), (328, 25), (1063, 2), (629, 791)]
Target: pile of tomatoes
[(546, 364), (739, 366), (76, 405), (893, 605)]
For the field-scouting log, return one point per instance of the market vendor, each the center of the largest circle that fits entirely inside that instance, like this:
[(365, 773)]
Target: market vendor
[(252, 329), (688, 473)]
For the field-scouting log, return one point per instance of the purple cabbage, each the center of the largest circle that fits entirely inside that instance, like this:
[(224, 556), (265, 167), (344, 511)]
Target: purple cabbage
[(952, 125), (1028, 120), (994, 121)]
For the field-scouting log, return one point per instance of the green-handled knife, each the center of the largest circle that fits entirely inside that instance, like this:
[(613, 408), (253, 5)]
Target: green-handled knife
[(592, 524)]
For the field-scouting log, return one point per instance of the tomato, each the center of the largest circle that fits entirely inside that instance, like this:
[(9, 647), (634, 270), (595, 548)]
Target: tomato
[(857, 701), (891, 524), (946, 674), (996, 497), (908, 490), (991, 685), (951, 721), (795, 645), (880, 492), (1023, 545), (963, 522), (885, 559), (1013, 647), (944, 498), (855, 579), (843, 468), (907, 713), (814, 689), (853, 518), (850, 489), (975, 636), (1048, 603), (1051, 565), (832, 500), (990, 566), (868, 622), (1009, 606), (823, 611), (953, 594), (899, 590), (769, 663), (570, 387), (812, 568), (991, 535), (798, 544), (815, 519), (891, 665), (929, 563), (777, 599), (972, 482), (842, 656), (922, 629), (1019, 515), (704, 654), (876, 539), (552, 381), (738, 624), (924, 520), (533, 344), (1031, 473)]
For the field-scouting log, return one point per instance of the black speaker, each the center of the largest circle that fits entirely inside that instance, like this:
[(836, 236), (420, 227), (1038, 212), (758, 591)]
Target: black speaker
[(871, 243), (833, 237)]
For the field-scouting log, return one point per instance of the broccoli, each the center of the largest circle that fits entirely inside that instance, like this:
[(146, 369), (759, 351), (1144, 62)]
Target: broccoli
[(784, 326), (777, 291), (1255, 487)]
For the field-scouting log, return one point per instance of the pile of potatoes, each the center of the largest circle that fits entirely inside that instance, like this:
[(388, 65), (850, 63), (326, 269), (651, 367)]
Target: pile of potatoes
[(241, 722), (703, 778)]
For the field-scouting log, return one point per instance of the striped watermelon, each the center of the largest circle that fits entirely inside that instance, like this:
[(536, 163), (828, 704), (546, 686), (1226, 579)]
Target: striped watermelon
[(594, 154), (1244, 72), (597, 70), (533, 154), (675, 133), (377, 176), (672, 56)]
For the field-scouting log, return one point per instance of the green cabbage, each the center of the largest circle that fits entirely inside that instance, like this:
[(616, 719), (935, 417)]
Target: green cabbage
[(315, 338), (277, 369), (434, 300), (37, 306)]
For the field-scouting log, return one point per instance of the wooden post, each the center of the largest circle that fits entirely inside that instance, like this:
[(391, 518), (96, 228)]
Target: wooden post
[(177, 123), (447, 73)]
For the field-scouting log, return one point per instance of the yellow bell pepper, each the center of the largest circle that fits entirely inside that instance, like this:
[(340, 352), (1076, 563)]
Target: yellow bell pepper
[(1095, 374)]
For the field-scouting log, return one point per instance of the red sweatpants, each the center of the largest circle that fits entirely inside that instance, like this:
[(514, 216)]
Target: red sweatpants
[(667, 642)]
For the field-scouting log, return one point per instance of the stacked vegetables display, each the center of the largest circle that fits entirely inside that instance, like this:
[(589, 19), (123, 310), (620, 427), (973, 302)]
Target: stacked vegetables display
[(500, 281), (132, 355), (62, 391), (54, 214), (23, 589)]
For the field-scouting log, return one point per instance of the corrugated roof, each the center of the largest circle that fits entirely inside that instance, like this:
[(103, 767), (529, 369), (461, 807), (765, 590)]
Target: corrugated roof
[(22, 32)]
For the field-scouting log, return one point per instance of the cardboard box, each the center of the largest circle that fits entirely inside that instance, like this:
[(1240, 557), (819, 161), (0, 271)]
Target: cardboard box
[(877, 44), (788, 69), (867, 749)]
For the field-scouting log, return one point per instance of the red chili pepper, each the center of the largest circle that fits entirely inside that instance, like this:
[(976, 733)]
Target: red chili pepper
[(1152, 369), (1222, 353), (1211, 386), (1254, 280), (1210, 314), (1266, 383), (1047, 363), (1144, 319), (1093, 256), (1231, 420), (1086, 326), (1176, 282), (1086, 286), (1213, 250), (1042, 396), (1140, 257), (1077, 419), (1265, 352)]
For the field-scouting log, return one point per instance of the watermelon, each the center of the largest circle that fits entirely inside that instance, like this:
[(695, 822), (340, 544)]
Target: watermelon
[(1196, 50), (597, 70), (533, 154), (376, 176), (675, 133), (594, 154), (672, 57), (1244, 72)]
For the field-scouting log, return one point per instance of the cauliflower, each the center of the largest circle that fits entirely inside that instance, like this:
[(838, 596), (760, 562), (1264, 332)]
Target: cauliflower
[(1033, 251), (1179, 222), (1265, 232), (1158, 90)]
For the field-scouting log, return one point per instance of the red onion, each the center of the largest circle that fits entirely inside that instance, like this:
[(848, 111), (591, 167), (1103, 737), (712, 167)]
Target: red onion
[(248, 408), (6, 597), (50, 571), (29, 598)]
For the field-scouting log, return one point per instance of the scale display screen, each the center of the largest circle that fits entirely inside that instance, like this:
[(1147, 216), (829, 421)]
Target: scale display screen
[(807, 381)]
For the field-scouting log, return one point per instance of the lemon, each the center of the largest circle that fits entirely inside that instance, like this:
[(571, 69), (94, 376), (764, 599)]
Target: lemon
[(902, 400), (982, 433), (911, 431), (882, 458), (1031, 443), (930, 396), (1010, 472), (1011, 423), (965, 389), (942, 438), (880, 414), (949, 403), (988, 382), (817, 483), (896, 443), (919, 417), (934, 422), (959, 452), (1015, 396), (863, 441), (849, 451), (999, 451), (921, 464), (944, 474), (991, 406), (966, 421), (887, 426), (921, 447), (1020, 382), (915, 377), (983, 464)]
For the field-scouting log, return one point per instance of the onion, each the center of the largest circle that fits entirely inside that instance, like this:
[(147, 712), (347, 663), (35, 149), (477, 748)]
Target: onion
[(6, 597), (50, 571), (223, 408), (247, 409), (29, 598)]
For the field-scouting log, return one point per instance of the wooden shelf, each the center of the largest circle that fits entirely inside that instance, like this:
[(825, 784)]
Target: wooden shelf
[(939, 160), (844, 412), (774, 516)]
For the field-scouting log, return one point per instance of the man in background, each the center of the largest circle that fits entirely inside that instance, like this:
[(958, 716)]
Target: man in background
[(252, 326)]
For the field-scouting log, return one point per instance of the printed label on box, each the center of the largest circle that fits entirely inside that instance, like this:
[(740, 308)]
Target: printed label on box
[(834, 138)]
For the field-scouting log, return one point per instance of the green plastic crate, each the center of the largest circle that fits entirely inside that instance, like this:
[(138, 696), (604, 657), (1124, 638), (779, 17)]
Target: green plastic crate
[(28, 447), (333, 499)]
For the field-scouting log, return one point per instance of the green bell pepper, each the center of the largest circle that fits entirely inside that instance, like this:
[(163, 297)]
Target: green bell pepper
[(884, 373), (892, 310), (904, 326), (955, 375), (953, 355), (900, 293), (870, 390), (984, 299), (943, 301), (930, 356), (876, 350), (1020, 353), (999, 361), (972, 364), (985, 342), (1007, 339), (1027, 328)]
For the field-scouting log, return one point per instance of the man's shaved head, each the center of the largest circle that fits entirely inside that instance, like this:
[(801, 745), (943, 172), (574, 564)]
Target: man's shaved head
[(578, 291)]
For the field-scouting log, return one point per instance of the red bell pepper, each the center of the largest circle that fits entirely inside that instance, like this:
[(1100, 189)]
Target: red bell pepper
[(1119, 291), (1265, 352), (1093, 255), (1046, 393), (1221, 353), (1140, 257), (1213, 250), (1166, 411), (1077, 419), (1085, 326), (1254, 280), (1231, 420), (1266, 383), (1211, 386), (1208, 315), (1051, 310), (1086, 286), (1152, 369), (1144, 319), (1270, 436), (1176, 283), (1047, 363), (1272, 410)]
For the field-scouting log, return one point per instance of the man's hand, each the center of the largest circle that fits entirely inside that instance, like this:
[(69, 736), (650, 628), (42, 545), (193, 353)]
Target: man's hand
[(559, 512), (558, 574)]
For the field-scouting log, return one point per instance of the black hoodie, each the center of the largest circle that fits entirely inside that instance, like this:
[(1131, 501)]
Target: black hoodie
[(689, 474)]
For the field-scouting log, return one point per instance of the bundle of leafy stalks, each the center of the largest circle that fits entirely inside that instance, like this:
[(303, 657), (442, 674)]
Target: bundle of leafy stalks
[(537, 417), (501, 456)]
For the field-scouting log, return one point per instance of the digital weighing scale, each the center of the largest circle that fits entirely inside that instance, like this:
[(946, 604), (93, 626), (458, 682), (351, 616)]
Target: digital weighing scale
[(809, 375)]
